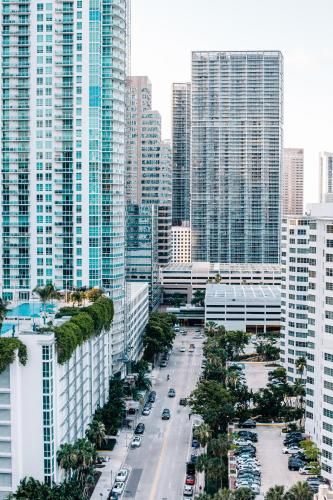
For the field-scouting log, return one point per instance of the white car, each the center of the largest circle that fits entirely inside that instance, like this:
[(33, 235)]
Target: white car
[(291, 451), (182, 349), (122, 475), (306, 471), (188, 491), (136, 442), (241, 442), (118, 488), (146, 411)]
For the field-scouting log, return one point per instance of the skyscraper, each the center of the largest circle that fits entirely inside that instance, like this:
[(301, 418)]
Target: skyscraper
[(181, 152), (62, 148), (148, 161), (325, 177), (236, 150), (292, 181)]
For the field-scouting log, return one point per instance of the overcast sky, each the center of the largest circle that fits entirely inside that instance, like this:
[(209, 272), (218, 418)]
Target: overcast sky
[(164, 32)]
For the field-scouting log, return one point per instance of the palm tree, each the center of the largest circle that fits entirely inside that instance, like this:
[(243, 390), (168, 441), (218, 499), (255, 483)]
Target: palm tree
[(218, 278), (232, 378), (31, 488), (67, 459), (76, 297), (275, 493), (301, 365), (86, 457), (300, 491), (224, 495), (203, 433), (46, 293), (96, 433), (210, 328), (3, 311)]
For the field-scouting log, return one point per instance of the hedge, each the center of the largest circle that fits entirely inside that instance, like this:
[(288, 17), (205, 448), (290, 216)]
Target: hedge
[(8, 347), (86, 322)]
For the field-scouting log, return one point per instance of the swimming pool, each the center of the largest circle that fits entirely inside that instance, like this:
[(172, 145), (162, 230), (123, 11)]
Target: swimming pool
[(30, 310), (6, 328)]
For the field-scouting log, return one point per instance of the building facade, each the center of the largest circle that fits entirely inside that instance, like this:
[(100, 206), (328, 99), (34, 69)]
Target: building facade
[(307, 318), (325, 177), (249, 308), (181, 152), (236, 148), (58, 409), (181, 244), (185, 279), (292, 181), (137, 316), (62, 149), (142, 249)]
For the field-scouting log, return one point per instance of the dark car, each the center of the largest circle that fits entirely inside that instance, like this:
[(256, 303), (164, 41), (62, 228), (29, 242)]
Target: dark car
[(183, 401), (171, 393), (190, 468), (194, 458), (140, 428), (295, 463), (195, 443), (131, 411), (152, 397), (252, 436), (166, 414), (248, 424)]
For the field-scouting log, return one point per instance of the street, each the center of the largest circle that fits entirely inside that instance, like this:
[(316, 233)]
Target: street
[(157, 468)]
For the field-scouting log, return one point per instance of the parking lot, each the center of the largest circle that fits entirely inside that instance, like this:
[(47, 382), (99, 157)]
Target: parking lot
[(274, 465)]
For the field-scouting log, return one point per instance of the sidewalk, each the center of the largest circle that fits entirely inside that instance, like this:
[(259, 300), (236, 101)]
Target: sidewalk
[(111, 469), (117, 458)]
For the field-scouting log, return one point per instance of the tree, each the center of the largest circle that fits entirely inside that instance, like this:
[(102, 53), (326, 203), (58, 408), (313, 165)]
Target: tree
[(213, 468), (244, 494), (275, 493), (210, 328), (93, 294), (300, 491), (198, 298), (77, 297), (96, 433), (203, 434), (214, 403), (217, 278), (31, 489), (47, 293), (67, 459), (301, 365), (224, 495), (3, 311), (176, 299)]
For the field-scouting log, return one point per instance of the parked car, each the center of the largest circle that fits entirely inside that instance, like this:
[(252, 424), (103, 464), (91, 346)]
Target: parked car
[(291, 451), (182, 349), (295, 463), (195, 443), (188, 491), (136, 442), (248, 424), (190, 480), (190, 469), (166, 414), (152, 397), (163, 363), (146, 411), (118, 488), (183, 401), (306, 470), (171, 393), (253, 436), (140, 428), (122, 475)]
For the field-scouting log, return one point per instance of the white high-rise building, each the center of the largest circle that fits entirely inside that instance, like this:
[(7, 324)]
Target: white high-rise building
[(307, 259), (236, 156), (325, 177), (292, 181), (181, 244), (62, 149)]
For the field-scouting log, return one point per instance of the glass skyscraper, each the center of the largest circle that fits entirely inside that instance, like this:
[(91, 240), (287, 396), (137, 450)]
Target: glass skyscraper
[(181, 152), (236, 147), (62, 146)]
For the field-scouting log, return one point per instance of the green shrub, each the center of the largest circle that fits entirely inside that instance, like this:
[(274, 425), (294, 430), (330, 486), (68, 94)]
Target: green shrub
[(85, 323), (8, 346), (67, 311)]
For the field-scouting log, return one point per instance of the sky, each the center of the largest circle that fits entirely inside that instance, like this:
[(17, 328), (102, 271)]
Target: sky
[(164, 32)]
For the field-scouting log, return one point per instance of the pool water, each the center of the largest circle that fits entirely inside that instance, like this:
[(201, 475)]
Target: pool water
[(6, 328), (30, 310)]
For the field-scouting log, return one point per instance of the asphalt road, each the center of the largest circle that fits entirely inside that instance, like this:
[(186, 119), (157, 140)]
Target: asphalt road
[(157, 468)]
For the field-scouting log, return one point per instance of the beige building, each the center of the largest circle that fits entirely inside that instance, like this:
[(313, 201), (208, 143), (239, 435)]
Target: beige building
[(181, 244), (325, 177), (292, 181)]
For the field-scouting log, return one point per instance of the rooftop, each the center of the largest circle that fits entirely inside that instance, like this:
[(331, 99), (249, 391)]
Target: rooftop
[(206, 267), (218, 293)]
